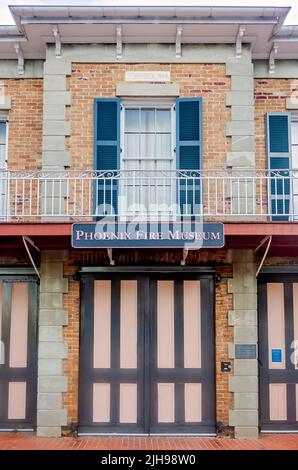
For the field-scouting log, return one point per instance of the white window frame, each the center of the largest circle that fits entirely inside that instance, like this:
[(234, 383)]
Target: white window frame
[(4, 118), (294, 172), (158, 103), (3, 184)]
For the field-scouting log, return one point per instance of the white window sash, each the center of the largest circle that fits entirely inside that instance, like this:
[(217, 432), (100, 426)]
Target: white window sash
[(294, 166), (3, 180), (155, 190)]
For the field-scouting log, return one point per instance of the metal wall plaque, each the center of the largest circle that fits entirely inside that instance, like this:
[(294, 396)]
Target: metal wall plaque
[(245, 351)]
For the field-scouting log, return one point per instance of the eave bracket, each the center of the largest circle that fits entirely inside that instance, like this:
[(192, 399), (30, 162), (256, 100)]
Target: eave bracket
[(239, 39), (119, 42), (21, 62), (58, 49), (179, 31), (272, 58)]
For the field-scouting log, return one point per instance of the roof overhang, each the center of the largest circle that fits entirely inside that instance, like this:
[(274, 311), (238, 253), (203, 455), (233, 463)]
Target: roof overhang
[(148, 24), (240, 235)]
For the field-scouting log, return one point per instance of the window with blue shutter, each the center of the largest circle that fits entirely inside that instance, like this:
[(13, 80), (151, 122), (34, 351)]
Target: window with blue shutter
[(189, 153), (279, 152), (106, 152)]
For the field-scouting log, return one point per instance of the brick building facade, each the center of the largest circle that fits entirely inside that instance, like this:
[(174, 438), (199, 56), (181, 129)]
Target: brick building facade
[(127, 338)]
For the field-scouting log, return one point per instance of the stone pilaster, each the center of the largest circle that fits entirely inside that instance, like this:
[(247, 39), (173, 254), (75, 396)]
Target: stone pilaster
[(56, 128), (243, 317), (55, 100), (241, 130), (51, 349)]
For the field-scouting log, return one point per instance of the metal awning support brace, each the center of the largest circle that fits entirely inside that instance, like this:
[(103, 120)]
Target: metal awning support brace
[(58, 49), (269, 239), (184, 257), (21, 62), (239, 38), (119, 42), (179, 31), (25, 240), (110, 255), (272, 58)]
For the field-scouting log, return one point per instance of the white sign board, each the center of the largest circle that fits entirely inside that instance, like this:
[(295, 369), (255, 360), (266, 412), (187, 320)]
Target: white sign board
[(142, 76)]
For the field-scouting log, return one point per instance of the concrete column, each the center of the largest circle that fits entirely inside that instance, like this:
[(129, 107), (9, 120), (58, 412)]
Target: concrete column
[(55, 99), (51, 349), (243, 317), (241, 129), (56, 128)]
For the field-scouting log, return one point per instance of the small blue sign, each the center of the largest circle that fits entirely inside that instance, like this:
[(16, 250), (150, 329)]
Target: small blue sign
[(276, 355)]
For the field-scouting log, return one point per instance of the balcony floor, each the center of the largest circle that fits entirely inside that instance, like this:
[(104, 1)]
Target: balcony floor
[(242, 235)]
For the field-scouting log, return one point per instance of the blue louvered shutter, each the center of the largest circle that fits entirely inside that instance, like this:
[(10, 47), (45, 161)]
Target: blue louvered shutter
[(279, 152), (106, 151), (189, 153)]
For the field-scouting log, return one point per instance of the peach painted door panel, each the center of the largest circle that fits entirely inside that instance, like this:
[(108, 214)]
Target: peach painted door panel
[(18, 320), (278, 320), (112, 363), (182, 388)]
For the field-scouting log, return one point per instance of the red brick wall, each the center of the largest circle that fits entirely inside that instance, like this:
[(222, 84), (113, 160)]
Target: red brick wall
[(25, 123), (71, 338), (270, 96), (223, 336), (99, 80)]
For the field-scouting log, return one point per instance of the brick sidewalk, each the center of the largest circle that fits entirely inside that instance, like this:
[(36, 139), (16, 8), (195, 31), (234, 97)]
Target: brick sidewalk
[(28, 441)]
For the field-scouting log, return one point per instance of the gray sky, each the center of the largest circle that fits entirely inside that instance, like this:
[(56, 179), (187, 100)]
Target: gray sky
[(5, 17)]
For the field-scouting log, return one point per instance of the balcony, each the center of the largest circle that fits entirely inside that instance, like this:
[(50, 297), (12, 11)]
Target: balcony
[(218, 195)]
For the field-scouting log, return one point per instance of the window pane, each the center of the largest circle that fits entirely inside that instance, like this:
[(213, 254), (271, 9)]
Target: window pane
[(131, 120), (295, 206), (295, 184), (163, 146), (294, 133), (295, 157), (2, 132), (147, 120), (163, 120), (147, 146), (2, 156), (132, 148)]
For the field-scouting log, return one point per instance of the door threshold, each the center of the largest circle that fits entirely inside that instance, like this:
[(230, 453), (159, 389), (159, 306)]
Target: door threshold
[(16, 430), (291, 431), (185, 434), (131, 434), (111, 434)]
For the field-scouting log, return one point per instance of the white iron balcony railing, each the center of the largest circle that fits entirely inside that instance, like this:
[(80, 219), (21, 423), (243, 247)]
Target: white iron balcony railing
[(86, 195)]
